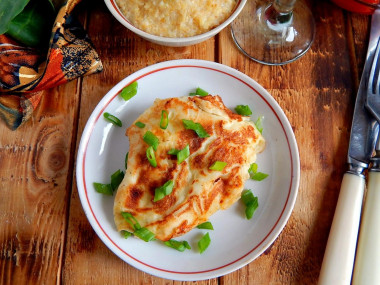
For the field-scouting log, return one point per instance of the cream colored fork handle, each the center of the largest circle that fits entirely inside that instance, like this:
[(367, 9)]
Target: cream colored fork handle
[(339, 255), (367, 262)]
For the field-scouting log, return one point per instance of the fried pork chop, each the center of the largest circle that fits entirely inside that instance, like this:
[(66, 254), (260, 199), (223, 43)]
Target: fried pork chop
[(198, 191)]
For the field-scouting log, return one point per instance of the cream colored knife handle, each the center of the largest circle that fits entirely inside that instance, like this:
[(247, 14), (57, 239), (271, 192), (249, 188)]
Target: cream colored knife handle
[(339, 255), (367, 262)]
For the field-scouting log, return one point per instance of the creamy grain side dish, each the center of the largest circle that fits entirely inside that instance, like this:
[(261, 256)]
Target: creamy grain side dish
[(176, 18)]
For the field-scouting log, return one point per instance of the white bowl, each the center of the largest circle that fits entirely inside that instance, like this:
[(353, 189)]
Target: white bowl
[(175, 42)]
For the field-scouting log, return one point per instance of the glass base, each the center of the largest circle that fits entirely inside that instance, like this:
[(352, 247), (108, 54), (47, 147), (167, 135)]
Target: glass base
[(268, 37)]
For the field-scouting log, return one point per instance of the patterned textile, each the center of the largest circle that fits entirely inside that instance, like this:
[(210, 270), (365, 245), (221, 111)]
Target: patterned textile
[(25, 72)]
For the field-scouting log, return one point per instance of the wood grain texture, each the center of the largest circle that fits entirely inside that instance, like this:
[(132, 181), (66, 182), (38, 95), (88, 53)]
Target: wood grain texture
[(35, 183)]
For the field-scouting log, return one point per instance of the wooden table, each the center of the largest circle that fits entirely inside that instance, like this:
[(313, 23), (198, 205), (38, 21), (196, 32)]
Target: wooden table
[(45, 237)]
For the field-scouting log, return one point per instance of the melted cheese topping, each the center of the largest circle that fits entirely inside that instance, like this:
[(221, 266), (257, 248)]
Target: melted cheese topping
[(198, 191)]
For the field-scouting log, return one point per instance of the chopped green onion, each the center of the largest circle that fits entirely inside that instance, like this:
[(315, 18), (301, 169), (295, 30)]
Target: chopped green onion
[(116, 179), (111, 118), (259, 124), (218, 165), (163, 191), (151, 140), (201, 92), (131, 220), (258, 176), (103, 188), (151, 156), (126, 160), (129, 91), (178, 245), (140, 124), (183, 154), (243, 110), (205, 226), (251, 202), (144, 234), (196, 127), (174, 151), (125, 234), (164, 122), (204, 242)]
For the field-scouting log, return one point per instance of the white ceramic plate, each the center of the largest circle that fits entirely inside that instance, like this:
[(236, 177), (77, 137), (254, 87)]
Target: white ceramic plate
[(236, 241)]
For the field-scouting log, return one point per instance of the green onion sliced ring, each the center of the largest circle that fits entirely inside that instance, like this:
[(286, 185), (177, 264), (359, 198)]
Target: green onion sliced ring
[(196, 127), (243, 110), (218, 165), (144, 234), (254, 174), (116, 179), (205, 226), (163, 191), (259, 124), (151, 156), (251, 202), (139, 124), (183, 154), (164, 122), (178, 245), (204, 243), (103, 188), (201, 92), (113, 119), (151, 140), (131, 220), (129, 91)]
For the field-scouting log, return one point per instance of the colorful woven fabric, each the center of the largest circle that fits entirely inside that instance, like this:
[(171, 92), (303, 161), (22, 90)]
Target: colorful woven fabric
[(25, 72)]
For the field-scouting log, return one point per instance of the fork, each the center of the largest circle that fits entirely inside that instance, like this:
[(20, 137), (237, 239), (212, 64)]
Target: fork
[(373, 90), (367, 262)]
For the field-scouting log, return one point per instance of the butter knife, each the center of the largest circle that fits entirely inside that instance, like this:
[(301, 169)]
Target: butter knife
[(338, 261)]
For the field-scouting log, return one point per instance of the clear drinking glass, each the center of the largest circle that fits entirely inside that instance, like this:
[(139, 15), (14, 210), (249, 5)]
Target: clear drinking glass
[(274, 33)]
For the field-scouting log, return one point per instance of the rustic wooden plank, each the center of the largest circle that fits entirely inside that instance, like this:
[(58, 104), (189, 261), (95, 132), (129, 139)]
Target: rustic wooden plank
[(122, 53), (316, 97), (35, 171)]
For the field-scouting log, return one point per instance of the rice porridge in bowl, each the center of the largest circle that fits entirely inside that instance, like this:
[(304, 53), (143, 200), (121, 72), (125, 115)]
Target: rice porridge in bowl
[(176, 18)]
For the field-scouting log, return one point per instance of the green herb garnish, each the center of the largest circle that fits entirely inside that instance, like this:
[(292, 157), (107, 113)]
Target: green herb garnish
[(116, 179), (151, 140), (126, 160), (218, 165), (140, 124), (126, 234), (144, 234), (196, 127), (131, 220), (129, 91), (151, 156), (183, 154), (254, 174), (164, 122), (113, 119), (205, 226), (199, 91), (178, 245), (243, 110), (259, 124), (204, 242), (103, 188), (163, 191), (251, 202), (140, 232)]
